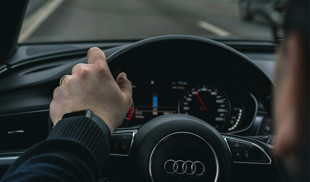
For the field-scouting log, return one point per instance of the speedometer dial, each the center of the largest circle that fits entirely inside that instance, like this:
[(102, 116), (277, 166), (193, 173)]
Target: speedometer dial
[(208, 103)]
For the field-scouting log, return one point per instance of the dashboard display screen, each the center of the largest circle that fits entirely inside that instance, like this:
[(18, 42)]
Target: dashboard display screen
[(153, 99), (222, 107)]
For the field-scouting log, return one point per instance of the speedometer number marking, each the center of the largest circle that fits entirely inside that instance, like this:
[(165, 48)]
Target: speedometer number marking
[(207, 102)]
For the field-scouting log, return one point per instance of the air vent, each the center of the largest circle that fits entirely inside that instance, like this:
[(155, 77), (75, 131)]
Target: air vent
[(22, 130)]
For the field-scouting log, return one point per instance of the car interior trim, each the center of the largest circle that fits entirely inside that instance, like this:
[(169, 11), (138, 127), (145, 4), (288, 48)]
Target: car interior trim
[(8, 160)]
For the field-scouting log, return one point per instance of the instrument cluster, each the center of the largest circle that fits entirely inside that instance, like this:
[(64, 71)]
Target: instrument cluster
[(221, 103)]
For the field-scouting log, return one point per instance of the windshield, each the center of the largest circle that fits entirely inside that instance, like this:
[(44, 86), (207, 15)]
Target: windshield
[(102, 20)]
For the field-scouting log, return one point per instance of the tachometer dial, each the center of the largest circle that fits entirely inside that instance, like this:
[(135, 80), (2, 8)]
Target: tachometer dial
[(208, 103)]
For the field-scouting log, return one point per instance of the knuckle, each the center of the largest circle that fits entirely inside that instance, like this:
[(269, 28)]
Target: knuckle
[(82, 72), (102, 68), (55, 93), (53, 106), (77, 67)]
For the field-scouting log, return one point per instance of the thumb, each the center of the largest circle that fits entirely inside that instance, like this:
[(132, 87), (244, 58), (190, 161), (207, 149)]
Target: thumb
[(96, 56), (124, 84)]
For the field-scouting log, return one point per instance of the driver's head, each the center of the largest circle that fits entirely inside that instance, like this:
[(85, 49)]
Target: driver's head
[(291, 99)]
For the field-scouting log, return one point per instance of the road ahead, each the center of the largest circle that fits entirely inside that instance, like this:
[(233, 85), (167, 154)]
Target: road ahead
[(72, 20)]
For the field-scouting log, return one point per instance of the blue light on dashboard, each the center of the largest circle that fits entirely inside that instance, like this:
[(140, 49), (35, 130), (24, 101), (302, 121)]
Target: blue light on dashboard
[(155, 101)]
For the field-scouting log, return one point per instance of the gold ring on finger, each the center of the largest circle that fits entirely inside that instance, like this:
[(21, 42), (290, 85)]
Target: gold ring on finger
[(62, 79)]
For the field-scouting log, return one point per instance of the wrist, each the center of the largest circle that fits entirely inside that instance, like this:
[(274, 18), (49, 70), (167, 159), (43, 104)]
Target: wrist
[(106, 120), (98, 118)]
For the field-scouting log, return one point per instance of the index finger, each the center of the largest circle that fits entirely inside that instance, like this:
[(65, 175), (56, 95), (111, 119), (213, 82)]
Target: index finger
[(96, 56)]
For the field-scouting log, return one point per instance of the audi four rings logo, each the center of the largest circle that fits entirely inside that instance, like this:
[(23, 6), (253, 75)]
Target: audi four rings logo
[(181, 167)]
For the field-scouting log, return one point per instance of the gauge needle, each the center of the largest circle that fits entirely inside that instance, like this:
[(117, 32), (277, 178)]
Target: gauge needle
[(200, 100)]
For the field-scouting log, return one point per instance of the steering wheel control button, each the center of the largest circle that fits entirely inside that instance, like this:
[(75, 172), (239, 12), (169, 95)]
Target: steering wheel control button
[(121, 142), (247, 152), (171, 160)]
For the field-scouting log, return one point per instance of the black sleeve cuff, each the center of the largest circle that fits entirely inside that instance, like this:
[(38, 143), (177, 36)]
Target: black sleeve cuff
[(93, 134)]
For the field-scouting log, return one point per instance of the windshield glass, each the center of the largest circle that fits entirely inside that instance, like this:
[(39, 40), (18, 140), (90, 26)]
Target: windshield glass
[(99, 20)]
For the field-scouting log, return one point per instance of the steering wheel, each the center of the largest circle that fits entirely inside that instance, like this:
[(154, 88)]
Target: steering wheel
[(180, 147)]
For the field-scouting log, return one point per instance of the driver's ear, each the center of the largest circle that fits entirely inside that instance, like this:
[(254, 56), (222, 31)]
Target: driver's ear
[(291, 99)]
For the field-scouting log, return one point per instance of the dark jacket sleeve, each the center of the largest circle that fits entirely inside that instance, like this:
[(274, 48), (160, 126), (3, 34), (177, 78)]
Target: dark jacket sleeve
[(76, 150)]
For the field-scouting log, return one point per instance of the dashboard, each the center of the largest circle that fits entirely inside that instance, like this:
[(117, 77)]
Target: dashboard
[(219, 102)]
